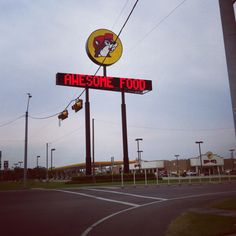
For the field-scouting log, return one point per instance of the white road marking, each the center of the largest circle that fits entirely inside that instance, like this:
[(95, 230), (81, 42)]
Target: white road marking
[(100, 198), (85, 233), (201, 195), (104, 219), (127, 194)]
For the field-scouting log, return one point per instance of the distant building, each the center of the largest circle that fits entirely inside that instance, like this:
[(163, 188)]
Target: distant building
[(229, 164), (209, 163)]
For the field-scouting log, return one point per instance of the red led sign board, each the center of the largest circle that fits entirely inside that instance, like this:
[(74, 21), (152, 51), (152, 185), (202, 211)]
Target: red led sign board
[(138, 86)]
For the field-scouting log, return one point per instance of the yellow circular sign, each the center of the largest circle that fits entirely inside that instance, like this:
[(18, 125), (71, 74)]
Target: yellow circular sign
[(209, 155), (104, 47)]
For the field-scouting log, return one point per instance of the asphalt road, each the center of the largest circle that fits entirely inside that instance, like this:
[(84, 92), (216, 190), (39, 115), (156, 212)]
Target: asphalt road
[(102, 211)]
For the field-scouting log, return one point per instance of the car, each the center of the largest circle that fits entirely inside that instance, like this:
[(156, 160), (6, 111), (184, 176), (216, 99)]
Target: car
[(163, 173), (232, 172), (191, 173)]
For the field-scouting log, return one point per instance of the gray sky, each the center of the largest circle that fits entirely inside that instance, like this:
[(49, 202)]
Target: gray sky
[(183, 56)]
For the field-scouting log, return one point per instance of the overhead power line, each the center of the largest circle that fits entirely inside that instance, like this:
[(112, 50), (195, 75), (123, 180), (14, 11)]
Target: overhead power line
[(12, 121), (170, 129), (43, 118), (123, 8), (123, 26), (56, 114), (158, 24), (127, 19), (64, 136)]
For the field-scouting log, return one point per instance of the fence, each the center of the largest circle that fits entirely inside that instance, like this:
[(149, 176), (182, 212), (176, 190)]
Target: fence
[(150, 179)]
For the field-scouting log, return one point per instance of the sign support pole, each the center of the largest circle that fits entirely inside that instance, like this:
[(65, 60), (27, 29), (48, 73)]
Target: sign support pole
[(104, 71), (87, 133), (124, 128), (124, 133)]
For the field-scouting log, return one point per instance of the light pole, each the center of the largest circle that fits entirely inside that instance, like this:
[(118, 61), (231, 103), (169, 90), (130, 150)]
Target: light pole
[(52, 150), (26, 140), (177, 164), (140, 156), (112, 166), (38, 161), (138, 151), (200, 153), (232, 156)]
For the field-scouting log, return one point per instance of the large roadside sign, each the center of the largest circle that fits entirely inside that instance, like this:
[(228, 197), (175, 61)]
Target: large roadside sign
[(104, 48), (117, 84)]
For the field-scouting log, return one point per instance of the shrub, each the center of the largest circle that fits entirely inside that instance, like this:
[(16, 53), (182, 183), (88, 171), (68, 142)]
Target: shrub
[(110, 178)]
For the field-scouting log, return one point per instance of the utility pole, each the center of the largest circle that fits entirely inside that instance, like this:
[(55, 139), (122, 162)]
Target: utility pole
[(26, 142), (227, 12), (52, 150), (47, 162), (232, 157), (38, 161)]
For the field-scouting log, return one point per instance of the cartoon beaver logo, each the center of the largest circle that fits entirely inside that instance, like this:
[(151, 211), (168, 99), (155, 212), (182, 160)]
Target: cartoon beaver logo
[(209, 155), (104, 45)]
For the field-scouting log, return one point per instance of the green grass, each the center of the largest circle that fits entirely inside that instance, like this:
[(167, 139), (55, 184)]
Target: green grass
[(205, 224), (35, 184), (48, 185), (195, 224), (30, 184), (10, 186), (227, 204)]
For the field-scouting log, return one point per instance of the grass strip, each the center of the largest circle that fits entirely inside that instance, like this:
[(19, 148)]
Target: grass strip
[(195, 224), (227, 204)]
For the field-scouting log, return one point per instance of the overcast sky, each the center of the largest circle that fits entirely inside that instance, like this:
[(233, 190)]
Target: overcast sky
[(183, 54)]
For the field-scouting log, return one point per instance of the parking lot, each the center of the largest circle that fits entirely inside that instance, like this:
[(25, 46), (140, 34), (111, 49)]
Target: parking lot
[(131, 210)]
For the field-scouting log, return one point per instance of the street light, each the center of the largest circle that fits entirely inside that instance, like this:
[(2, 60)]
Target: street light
[(200, 153), (232, 156), (26, 140), (52, 150), (177, 164), (38, 161), (139, 152)]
